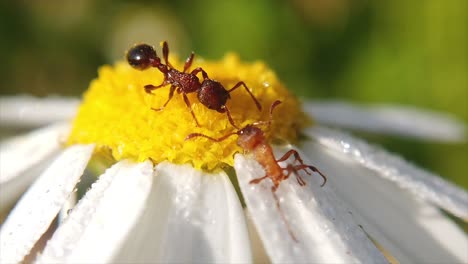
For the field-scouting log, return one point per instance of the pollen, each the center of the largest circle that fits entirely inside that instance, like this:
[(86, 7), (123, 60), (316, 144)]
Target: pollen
[(116, 114)]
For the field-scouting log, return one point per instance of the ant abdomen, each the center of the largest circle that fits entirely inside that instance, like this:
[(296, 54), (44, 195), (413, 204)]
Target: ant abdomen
[(213, 95)]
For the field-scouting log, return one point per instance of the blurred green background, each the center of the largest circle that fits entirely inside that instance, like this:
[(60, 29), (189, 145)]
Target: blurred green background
[(391, 51)]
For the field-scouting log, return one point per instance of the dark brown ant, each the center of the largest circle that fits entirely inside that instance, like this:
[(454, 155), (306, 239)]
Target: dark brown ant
[(210, 93), (252, 139)]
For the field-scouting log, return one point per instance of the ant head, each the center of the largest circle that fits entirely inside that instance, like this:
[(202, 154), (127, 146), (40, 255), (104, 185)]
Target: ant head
[(249, 137), (142, 56)]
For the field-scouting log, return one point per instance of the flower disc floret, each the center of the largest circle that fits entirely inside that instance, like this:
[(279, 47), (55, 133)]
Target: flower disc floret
[(116, 114)]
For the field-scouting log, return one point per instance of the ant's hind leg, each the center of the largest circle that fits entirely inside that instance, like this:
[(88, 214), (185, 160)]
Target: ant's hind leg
[(189, 61), (293, 169), (283, 217), (312, 168), (171, 93), (187, 102), (241, 83)]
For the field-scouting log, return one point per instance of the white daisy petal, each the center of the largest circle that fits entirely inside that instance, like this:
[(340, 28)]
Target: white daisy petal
[(409, 229), (193, 217), (20, 154), (405, 121), (40, 204), (26, 111), (428, 186), (323, 227), (102, 220)]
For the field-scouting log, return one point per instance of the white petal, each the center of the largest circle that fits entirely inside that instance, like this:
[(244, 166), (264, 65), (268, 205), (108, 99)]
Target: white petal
[(102, 220), (385, 119), (20, 154), (40, 204), (26, 111), (193, 217), (430, 187), (324, 229), (407, 227)]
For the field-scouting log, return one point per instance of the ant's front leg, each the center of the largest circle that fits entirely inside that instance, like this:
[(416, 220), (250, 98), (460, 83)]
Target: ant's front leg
[(241, 83), (149, 87), (200, 69), (166, 54), (171, 93), (187, 102), (189, 61)]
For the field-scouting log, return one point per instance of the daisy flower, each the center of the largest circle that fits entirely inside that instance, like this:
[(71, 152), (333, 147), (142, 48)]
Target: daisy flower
[(170, 200)]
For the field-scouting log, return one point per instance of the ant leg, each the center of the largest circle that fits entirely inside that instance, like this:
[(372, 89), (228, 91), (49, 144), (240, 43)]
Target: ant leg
[(258, 180), (288, 154), (200, 69), (171, 93), (293, 169), (149, 87), (248, 90), (166, 53), (283, 217), (314, 169), (228, 113), (189, 61), (187, 102)]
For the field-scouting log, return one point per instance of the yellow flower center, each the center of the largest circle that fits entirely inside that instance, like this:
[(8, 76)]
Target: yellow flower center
[(116, 113)]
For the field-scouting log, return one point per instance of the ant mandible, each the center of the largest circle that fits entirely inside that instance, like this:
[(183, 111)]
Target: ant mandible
[(252, 139), (210, 93)]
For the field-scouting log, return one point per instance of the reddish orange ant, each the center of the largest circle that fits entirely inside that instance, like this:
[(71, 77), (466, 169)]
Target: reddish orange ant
[(252, 140), (210, 93)]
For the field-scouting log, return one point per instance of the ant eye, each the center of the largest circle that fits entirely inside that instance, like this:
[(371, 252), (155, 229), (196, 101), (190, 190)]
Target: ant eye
[(141, 56)]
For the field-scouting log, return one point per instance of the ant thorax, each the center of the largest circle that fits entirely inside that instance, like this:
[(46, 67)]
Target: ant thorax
[(187, 82)]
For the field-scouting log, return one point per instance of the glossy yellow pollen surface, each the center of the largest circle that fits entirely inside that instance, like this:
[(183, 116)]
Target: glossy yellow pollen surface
[(116, 113)]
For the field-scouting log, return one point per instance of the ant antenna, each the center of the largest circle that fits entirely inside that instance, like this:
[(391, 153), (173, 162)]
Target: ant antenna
[(210, 138), (268, 123)]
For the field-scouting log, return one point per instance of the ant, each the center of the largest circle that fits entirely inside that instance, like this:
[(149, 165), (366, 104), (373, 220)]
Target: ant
[(252, 139), (210, 93)]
